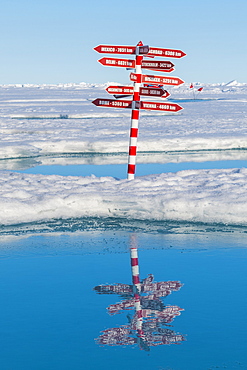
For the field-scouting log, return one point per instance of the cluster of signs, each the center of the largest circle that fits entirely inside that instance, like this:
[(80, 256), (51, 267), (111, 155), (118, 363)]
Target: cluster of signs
[(152, 85)]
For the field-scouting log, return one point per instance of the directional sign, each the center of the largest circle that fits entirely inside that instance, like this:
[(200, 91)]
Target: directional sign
[(119, 49), (127, 90), (160, 106), (171, 53), (153, 91), (165, 66), (157, 79), (114, 49), (112, 103), (145, 91), (115, 62)]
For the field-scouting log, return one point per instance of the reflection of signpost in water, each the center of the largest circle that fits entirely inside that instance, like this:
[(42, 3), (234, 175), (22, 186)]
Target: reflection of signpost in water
[(150, 313), (136, 91)]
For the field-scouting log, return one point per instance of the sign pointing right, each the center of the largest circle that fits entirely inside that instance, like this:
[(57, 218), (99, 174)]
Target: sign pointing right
[(167, 107), (160, 52), (166, 80)]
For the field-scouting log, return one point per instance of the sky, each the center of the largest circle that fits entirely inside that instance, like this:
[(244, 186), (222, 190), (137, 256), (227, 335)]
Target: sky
[(51, 41)]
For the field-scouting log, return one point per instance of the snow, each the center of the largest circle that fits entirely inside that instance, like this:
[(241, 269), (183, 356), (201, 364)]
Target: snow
[(208, 196), (39, 122)]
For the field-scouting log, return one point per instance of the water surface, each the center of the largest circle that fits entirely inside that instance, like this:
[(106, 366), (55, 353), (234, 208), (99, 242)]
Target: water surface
[(51, 317)]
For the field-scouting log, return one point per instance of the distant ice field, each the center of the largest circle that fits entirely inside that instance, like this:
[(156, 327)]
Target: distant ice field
[(51, 126)]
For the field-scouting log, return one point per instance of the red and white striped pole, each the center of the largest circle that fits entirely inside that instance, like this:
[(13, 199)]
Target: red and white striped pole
[(135, 115)]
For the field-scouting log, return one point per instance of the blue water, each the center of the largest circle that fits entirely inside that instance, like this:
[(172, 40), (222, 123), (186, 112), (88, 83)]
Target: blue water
[(120, 170), (51, 316)]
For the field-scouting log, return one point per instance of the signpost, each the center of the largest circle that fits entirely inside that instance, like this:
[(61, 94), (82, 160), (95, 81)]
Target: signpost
[(155, 88)]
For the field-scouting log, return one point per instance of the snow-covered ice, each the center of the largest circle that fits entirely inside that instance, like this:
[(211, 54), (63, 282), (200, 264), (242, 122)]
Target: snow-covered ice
[(218, 121), (42, 121), (203, 195)]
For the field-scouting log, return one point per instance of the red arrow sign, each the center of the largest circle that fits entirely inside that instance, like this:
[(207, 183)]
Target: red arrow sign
[(145, 91), (171, 53), (115, 49), (112, 103), (153, 91), (157, 79), (115, 62), (160, 106), (119, 49), (166, 66), (127, 90)]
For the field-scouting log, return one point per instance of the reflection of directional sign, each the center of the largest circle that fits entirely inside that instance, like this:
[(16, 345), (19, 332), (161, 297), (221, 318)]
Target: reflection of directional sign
[(146, 91), (171, 53), (111, 103), (118, 49), (157, 79), (115, 62), (165, 66), (160, 106)]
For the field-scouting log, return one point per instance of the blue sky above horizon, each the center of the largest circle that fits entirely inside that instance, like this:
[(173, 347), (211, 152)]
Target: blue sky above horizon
[(52, 41)]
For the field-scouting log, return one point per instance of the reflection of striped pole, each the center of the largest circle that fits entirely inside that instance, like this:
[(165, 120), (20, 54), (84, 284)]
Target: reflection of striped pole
[(138, 315), (136, 286), (135, 268), (135, 115)]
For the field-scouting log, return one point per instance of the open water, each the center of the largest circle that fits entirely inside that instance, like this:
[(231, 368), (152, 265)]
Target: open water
[(67, 300)]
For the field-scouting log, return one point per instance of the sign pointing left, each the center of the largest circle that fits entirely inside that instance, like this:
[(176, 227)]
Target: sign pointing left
[(116, 62), (111, 103), (119, 49)]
